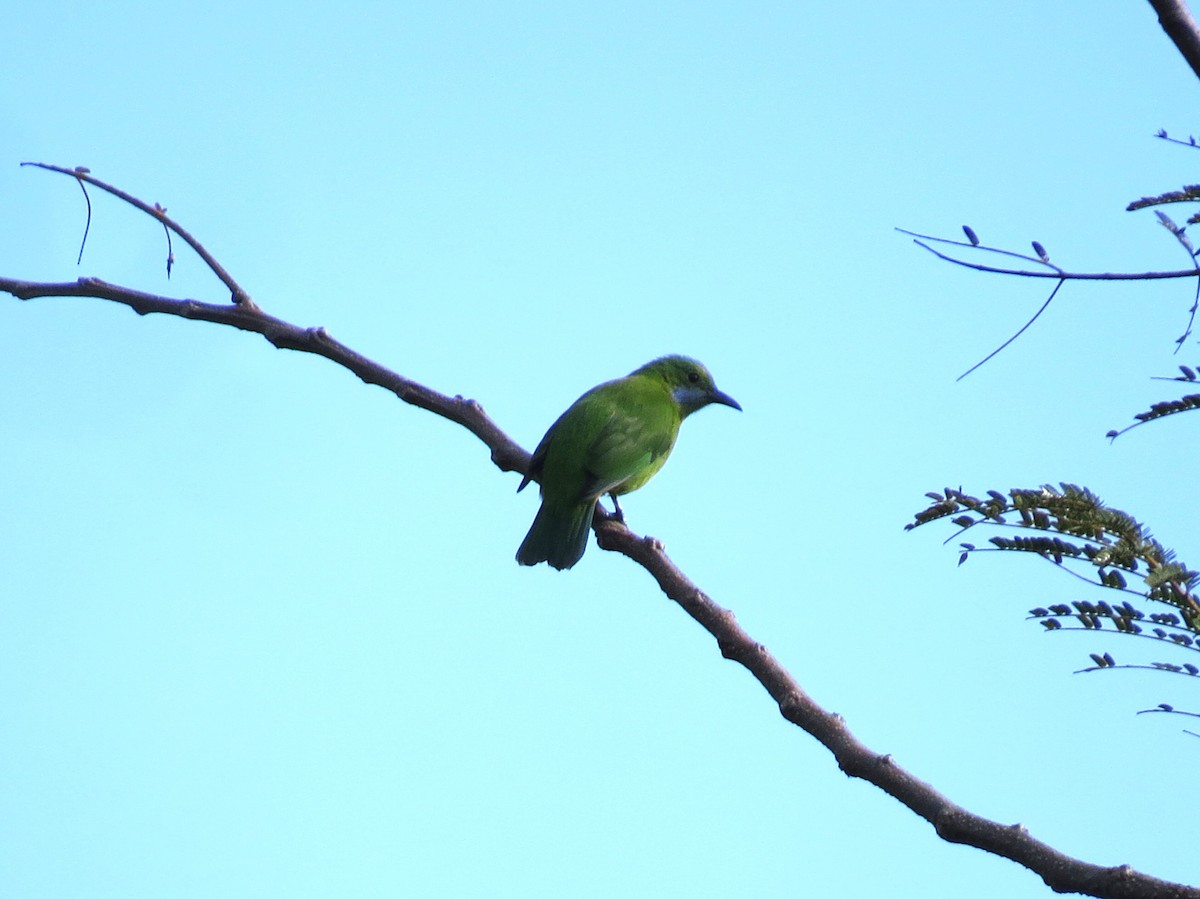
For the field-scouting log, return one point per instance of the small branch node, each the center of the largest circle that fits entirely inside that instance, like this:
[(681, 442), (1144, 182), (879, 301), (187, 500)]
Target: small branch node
[(654, 544), (791, 706)]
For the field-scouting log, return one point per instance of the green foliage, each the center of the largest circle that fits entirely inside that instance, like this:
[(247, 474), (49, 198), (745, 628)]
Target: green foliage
[(1189, 193), (1070, 526)]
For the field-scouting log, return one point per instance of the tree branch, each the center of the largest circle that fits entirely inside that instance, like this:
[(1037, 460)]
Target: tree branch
[(1176, 20), (507, 454), (1052, 271), (951, 822)]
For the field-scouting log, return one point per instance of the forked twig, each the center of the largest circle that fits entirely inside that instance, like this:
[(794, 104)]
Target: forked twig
[(237, 293)]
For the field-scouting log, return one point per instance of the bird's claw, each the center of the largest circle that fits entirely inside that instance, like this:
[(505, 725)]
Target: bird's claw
[(618, 515)]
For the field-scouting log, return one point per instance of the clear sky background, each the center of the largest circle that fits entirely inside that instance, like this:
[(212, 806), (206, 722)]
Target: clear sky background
[(261, 630)]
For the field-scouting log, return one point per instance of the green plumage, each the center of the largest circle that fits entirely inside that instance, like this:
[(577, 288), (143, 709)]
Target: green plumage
[(612, 441)]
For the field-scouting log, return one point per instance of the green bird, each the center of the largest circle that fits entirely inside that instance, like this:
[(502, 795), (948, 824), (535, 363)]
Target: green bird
[(612, 440)]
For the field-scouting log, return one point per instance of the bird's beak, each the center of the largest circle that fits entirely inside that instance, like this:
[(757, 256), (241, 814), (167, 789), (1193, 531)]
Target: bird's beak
[(725, 400)]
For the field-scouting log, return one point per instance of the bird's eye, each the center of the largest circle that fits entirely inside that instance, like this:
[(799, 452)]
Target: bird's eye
[(693, 376)]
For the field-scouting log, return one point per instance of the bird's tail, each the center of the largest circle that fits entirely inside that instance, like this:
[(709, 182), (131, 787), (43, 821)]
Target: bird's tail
[(557, 536)]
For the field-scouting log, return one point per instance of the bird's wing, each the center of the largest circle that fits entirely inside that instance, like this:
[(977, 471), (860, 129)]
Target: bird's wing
[(626, 446)]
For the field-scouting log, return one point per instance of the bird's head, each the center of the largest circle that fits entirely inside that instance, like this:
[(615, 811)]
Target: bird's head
[(689, 382)]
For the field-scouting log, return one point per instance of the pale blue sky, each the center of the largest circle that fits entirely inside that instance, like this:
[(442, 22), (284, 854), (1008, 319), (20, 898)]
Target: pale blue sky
[(261, 630)]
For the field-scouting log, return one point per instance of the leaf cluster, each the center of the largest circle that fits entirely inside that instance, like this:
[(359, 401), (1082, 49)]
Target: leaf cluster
[(1163, 408), (1071, 527)]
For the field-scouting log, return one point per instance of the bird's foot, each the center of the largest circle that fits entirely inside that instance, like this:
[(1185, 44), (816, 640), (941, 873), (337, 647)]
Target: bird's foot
[(618, 515)]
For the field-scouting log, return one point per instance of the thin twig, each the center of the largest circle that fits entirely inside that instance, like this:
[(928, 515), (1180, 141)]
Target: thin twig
[(1090, 668), (237, 293), (920, 239), (79, 172), (1169, 712), (917, 238), (1020, 331)]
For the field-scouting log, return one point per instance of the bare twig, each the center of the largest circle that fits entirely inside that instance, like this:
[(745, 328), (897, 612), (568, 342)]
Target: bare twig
[(80, 171), (1020, 331), (155, 211), (1169, 710), (952, 822), (1050, 270), (919, 240)]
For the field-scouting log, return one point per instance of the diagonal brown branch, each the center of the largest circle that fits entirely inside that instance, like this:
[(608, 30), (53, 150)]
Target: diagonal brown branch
[(1176, 20), (951, 822), (506, 453)]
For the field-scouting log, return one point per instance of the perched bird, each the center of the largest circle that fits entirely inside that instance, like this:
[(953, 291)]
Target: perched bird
[(612, 440)]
